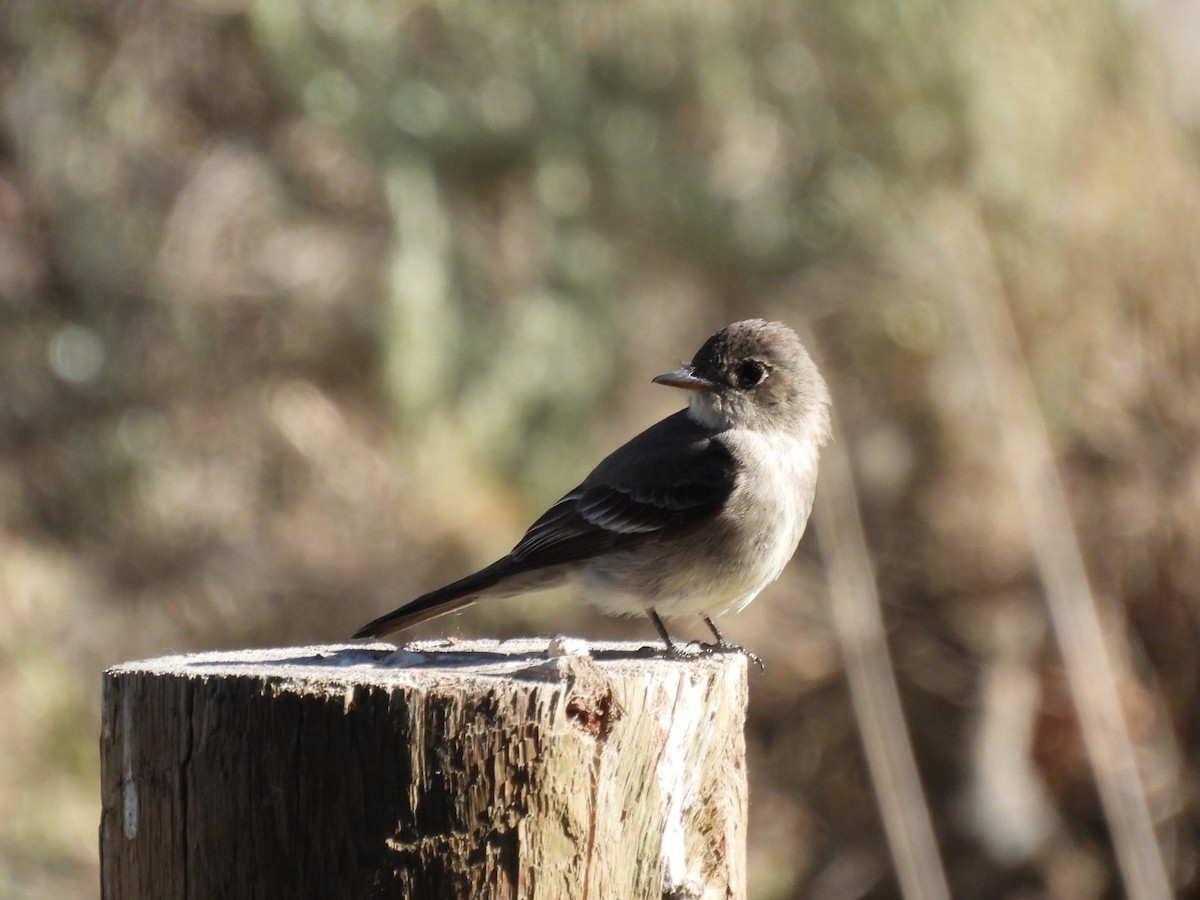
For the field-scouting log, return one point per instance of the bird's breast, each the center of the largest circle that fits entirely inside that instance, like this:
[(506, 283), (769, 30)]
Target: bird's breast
[(773, 496)]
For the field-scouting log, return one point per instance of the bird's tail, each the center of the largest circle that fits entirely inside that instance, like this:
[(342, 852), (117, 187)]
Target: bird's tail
[(444, 600)]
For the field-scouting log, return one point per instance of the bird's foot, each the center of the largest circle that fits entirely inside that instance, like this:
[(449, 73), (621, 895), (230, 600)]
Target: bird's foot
[(721, 645)]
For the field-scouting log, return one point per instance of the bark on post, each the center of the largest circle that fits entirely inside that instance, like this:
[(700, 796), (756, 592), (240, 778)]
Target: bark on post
[(469, 770)]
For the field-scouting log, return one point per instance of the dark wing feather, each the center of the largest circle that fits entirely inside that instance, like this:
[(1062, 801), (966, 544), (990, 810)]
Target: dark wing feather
[(669, 479)]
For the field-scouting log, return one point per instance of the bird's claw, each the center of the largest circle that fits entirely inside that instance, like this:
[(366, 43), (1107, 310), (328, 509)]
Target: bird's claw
[(724, 646)]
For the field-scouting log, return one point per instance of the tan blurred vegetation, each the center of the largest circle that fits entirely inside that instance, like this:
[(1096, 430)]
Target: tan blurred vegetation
[(308, 306)]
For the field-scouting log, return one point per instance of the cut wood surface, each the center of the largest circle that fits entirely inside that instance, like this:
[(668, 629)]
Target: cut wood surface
[(441, 770)]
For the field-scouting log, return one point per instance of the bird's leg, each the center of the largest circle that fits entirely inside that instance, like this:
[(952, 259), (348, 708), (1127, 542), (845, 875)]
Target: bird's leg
[(729, 647), (662, 630), (673, 650)]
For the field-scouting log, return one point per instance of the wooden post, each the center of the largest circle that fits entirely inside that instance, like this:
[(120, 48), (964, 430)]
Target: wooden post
[(469, 770)]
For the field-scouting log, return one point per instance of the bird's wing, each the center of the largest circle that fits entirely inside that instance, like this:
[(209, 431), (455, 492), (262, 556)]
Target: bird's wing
[(668, 480), (671, 478)]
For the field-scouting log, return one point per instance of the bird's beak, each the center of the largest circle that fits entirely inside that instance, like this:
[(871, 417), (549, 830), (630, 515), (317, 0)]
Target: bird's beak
[(685, 377)]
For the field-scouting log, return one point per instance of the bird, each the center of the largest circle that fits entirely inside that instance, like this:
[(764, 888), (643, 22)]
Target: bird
[(695, 515)]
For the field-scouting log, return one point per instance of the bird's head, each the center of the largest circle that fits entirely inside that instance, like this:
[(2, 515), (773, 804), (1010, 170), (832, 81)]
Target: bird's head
[(754, 374)]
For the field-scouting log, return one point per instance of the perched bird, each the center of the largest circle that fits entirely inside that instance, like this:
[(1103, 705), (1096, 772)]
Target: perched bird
[(696, 514)]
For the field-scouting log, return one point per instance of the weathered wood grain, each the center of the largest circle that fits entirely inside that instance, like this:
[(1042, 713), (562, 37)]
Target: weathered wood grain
[(470, 770)]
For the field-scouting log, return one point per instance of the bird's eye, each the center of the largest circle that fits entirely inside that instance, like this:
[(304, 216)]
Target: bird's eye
[(749, 373)]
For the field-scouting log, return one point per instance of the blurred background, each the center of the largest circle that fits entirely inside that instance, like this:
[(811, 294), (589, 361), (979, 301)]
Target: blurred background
[(307, 306)]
